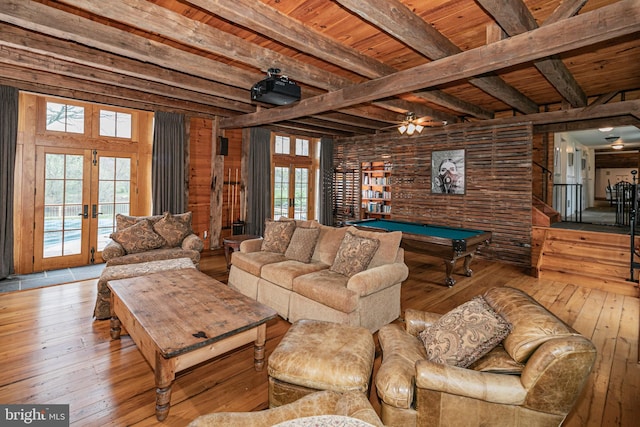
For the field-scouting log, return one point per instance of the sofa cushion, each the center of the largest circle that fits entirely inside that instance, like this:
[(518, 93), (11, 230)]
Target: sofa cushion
[(389, 245), (156, 255), (464, 334), (173, 229), (533, 324), (282, 273), (252, 262), (277, 235), (139, 237), (354, 254), (302, 244), (329, 241), (329, 288), (497, 361)]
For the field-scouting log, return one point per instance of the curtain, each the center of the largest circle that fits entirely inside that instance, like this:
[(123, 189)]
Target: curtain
[(326, 181), (259, 180), (8, 141), (167, 170)]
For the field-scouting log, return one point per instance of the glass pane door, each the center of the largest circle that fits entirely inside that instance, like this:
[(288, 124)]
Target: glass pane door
[(281, 192), (82, 191), (63, 209), (114, 196), (301, 193)]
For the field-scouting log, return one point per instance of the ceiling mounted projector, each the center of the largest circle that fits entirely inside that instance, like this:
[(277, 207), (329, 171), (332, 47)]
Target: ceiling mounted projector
[(275, 89)]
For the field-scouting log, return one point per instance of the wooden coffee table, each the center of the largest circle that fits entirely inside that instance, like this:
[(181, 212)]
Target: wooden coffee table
[(183, 317)]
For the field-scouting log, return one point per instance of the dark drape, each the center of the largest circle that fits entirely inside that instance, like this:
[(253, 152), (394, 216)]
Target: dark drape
[(326, 181), (259, 180), (8, 139), (167, 170)]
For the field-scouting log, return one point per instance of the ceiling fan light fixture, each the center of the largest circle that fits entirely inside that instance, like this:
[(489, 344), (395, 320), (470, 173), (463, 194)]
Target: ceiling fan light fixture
[(410, 125), (617, 145)]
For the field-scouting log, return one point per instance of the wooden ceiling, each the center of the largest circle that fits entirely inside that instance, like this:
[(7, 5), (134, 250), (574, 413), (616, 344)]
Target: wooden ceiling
[(362, 65)]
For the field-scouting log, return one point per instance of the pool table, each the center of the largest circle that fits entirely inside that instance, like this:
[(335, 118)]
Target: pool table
[(448, 243)]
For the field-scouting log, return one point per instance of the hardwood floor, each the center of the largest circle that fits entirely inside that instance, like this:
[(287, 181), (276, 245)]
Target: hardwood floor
[(52, 351)]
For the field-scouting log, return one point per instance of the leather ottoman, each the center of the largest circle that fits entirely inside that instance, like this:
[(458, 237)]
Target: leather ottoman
[(317, 355)]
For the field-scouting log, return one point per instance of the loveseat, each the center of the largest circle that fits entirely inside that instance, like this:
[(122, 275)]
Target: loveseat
[(306, 270), (532, 377), (139, 239)]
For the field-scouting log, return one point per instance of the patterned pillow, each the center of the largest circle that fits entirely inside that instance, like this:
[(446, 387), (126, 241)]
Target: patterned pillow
[(302, 244), (354, 254), (126, 221), (465, 334), (172, 229), (277, 235), (139, 237)]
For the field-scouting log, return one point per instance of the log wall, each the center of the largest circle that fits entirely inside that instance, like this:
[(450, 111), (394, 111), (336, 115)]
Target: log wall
[(498, 178)]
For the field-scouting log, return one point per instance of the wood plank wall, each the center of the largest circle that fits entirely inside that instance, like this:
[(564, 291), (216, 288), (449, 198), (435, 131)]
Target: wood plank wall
[(498, 182), (211, 190), (200, 171)]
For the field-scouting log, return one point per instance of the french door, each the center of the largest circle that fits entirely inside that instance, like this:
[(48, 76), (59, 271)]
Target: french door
[(291, 192), (78, 194)]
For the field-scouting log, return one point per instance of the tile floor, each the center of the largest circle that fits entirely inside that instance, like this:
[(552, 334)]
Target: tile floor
[(19, 282)]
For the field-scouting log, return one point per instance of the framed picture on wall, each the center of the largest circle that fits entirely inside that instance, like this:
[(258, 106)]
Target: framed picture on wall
[(447, 172)]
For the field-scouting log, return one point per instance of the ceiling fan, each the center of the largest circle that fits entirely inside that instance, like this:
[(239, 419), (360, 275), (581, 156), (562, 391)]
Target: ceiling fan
[(412, 124)]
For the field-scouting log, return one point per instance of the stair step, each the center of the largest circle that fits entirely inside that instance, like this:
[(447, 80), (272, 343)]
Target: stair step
[(617, 285), (582, 250), (592, 267)]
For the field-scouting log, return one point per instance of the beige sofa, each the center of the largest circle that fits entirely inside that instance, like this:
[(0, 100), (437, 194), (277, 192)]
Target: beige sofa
[(139, 239), (319, 279), (533, 379)]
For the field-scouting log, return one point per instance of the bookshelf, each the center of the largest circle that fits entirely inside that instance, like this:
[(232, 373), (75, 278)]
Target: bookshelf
[(376, 189)]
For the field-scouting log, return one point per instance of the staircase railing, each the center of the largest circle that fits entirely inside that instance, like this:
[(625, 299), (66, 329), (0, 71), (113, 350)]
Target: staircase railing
[(567, 199)]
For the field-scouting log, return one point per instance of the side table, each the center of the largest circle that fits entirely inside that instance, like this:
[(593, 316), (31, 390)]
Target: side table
[(232, 244)]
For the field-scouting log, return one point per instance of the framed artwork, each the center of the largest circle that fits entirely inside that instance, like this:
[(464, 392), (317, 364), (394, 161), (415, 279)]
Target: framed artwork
[(447, 172)]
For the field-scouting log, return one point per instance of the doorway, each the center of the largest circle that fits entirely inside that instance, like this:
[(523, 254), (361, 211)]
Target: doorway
[(78, 194)]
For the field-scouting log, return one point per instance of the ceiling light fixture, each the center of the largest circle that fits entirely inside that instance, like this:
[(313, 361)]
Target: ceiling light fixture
[(607, 129), (616, 142), (410, 125)]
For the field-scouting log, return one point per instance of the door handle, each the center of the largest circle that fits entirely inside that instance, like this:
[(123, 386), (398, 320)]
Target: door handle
[(85, 212), (94, 211)]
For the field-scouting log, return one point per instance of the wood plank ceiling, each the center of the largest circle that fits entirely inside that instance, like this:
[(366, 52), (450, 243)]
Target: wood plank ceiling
[(362, 65)]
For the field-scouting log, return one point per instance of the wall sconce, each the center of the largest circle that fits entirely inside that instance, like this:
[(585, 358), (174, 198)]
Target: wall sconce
[(410, 125)]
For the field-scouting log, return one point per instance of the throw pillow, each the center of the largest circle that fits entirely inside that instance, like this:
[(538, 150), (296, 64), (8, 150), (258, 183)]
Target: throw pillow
[(302, 244), (172, 229), (354, 254), (465, 334), (139, 237), (277, 235)]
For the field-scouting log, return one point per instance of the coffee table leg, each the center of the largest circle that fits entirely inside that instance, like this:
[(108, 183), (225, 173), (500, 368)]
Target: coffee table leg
[(116, 328), (165, 374), (258, 349)]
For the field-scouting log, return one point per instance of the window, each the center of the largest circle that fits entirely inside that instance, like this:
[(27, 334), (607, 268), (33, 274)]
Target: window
[(116, 124), (293, 186), (282, 145), (65, 118)]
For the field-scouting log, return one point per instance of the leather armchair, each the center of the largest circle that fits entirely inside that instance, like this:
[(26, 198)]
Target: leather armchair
[(533, 379), (352, 404)]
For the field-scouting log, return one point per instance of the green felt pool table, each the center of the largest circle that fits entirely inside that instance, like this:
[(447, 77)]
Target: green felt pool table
[(448, 243)]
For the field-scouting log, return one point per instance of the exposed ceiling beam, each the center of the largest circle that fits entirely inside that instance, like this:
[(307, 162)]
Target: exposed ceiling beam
[(271, 23), (616, 20), (515, 18), (396, 19)]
